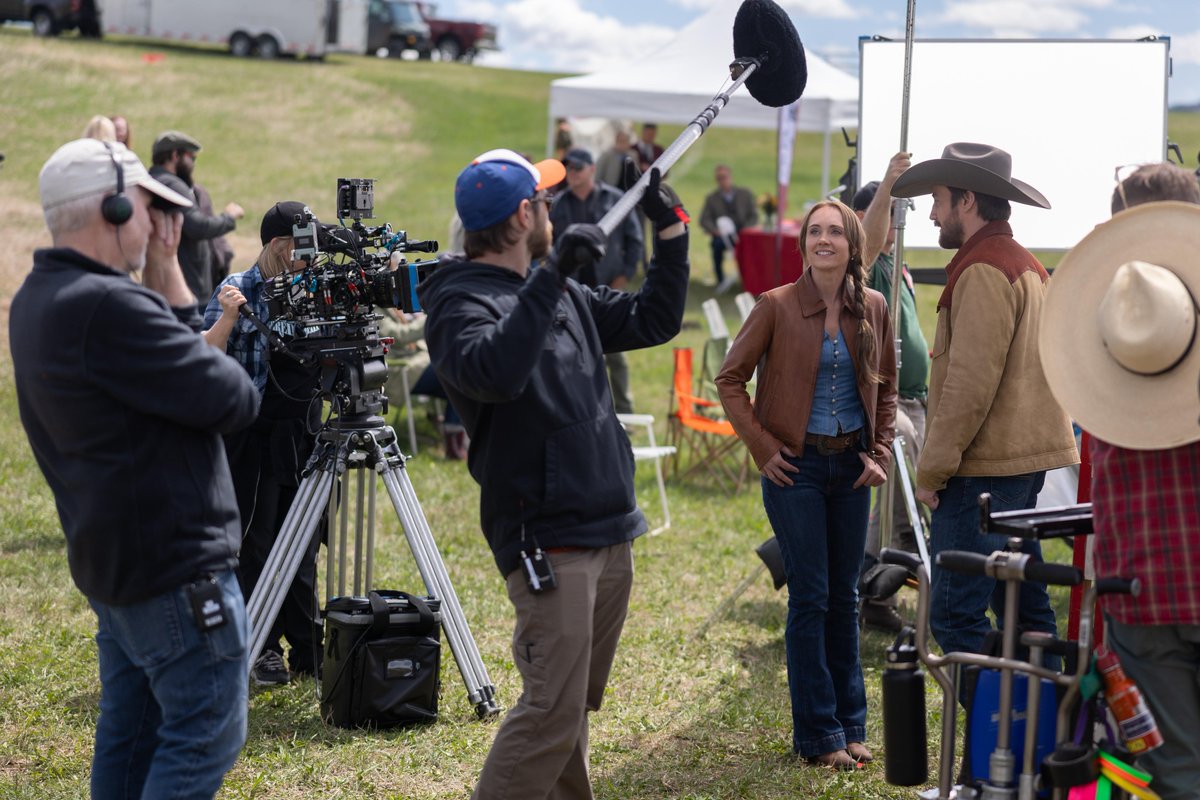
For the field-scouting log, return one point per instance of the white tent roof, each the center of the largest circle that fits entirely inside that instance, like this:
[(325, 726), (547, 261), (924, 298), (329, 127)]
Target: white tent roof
[(675, 84)]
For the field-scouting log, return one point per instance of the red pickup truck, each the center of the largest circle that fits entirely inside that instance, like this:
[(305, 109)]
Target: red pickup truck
[(457, 40)]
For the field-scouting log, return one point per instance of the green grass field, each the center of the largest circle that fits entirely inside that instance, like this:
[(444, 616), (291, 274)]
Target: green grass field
[(693, 711)]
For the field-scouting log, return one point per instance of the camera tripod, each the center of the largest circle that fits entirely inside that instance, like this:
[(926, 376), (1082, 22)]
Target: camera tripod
[(359, 443)]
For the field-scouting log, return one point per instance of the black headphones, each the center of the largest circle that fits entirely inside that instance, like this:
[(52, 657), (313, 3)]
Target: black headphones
[(116, 208)]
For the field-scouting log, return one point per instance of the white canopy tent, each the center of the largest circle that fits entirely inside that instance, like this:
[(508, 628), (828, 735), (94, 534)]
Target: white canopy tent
[(675, 83)]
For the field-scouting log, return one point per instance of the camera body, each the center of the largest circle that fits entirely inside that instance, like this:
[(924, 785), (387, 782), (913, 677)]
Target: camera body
[(347, 273), (348, 270)]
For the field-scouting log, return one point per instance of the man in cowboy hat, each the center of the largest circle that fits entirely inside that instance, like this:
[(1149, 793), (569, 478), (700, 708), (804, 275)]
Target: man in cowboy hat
[(992, 425), (1117, 337)]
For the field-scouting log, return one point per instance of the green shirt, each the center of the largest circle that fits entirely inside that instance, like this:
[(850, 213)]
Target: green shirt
[(914, 350)]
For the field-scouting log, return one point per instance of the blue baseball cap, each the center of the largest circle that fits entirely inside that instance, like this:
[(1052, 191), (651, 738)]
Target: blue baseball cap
[(494, 184)]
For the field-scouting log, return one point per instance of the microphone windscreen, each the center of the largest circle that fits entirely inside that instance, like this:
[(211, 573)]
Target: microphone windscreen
[(763, 30)]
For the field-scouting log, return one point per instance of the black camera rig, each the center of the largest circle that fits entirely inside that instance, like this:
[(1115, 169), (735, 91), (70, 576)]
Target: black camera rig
[(347, 272)]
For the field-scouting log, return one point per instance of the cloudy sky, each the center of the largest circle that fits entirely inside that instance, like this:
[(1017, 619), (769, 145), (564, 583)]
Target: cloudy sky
[(585, 35)]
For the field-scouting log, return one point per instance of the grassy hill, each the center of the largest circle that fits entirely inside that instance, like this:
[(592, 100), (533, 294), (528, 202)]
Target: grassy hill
[(686, 717)]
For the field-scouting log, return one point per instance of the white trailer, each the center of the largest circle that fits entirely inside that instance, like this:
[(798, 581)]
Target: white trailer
[(267, 28)]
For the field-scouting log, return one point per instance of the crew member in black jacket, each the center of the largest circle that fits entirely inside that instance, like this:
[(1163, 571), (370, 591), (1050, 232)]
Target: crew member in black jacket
[(520, 351), (124, 405)]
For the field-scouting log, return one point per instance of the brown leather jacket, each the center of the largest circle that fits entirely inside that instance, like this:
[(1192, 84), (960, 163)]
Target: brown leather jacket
[(785, 331)]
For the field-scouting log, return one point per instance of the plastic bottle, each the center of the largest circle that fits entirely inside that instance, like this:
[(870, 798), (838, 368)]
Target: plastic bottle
[(906, 761), (1137, 725)]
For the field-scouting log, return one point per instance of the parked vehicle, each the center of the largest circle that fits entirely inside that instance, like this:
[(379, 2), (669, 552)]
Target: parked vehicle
[(457, 40), (52, 17), (267, 28), (396, 26)]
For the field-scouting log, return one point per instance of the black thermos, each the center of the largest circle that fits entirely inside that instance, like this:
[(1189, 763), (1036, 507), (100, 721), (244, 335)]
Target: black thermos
[(904, 740)]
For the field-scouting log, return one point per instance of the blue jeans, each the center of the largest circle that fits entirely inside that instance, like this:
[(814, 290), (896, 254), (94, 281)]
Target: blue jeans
[(172, 699), (821, 524), (959, 603)]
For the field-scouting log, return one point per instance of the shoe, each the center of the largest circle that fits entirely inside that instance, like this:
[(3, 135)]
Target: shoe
[(881, 617), (456, 444), (269, 669), (838, 760), (726, 284), (860, 752)]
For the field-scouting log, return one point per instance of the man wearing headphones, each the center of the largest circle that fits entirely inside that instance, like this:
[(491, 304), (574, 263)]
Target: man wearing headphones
[(124, 405)]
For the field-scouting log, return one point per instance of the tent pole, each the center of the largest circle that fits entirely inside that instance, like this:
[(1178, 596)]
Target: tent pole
[(825, 154), (550, 126)]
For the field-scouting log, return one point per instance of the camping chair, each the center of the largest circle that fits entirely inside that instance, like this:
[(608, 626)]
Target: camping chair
[(651, 452), (711, 444)]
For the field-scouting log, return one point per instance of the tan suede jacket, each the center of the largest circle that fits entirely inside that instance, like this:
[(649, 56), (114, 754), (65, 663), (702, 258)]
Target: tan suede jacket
[(990, 409), (784, 332)]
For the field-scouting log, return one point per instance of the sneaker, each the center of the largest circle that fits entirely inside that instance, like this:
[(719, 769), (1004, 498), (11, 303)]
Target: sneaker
[(726, 284), (881, 617), (269, 669)]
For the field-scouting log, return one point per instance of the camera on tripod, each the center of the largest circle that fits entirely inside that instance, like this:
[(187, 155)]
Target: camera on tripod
[(348, 270), (346, 273)]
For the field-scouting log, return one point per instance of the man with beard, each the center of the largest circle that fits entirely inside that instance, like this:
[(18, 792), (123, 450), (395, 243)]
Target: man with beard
[(174, 156), (992, 425), (520, 351)]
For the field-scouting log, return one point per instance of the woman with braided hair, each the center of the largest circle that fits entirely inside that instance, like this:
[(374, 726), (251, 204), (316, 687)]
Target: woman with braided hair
[(820, 430)]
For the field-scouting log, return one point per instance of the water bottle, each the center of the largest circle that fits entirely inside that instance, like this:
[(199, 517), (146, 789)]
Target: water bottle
[(904, 739)]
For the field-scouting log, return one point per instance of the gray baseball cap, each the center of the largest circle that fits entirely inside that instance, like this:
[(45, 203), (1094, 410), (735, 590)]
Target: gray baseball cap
[(86, 167)]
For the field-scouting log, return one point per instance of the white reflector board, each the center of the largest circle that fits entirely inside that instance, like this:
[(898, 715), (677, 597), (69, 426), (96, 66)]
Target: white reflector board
[(1069, 111)]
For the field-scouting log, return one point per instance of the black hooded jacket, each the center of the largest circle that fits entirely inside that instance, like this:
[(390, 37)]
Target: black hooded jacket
[(522, 360)]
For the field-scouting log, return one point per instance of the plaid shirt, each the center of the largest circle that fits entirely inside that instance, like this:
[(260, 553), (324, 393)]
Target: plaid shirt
[(1146, 511), (246, 343)]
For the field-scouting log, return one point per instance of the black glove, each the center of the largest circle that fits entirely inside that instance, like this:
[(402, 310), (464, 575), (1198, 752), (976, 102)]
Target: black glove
[(581, 245), (660, 204)]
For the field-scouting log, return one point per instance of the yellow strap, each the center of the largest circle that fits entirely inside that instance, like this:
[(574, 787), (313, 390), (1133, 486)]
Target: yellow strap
[(1133, 789)]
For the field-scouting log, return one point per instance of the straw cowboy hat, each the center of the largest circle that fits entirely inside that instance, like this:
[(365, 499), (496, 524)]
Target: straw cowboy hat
[(967, 165), (1118, 329)]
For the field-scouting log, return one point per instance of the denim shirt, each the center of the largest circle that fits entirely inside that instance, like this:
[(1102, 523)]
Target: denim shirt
[(836, 408), (246, 343)]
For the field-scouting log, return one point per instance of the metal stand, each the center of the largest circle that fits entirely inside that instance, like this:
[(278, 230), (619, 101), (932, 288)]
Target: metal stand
[(361, 445)]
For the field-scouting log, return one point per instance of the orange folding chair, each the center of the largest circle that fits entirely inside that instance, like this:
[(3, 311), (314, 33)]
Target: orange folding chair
[(702, 442)]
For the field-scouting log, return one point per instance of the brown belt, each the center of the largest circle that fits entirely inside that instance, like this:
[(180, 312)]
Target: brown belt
[(564, 549), (832, 445)]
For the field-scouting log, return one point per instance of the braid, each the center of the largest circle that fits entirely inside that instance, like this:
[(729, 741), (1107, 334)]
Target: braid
[(856, 289)]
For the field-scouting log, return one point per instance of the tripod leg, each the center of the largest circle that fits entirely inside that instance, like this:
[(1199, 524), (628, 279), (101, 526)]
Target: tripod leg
[(299, 527), (480, 690)]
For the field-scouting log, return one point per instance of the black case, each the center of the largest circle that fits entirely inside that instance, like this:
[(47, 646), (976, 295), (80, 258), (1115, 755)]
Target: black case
[(382, 654)]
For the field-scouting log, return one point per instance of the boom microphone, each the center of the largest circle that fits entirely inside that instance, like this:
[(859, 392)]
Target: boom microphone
[(763, 31), (768, 59)]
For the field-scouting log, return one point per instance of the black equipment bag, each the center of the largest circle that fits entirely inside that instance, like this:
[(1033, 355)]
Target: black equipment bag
[(382, 654)]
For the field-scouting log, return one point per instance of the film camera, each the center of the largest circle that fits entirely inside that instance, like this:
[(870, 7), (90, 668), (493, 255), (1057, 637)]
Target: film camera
[(348, 271)]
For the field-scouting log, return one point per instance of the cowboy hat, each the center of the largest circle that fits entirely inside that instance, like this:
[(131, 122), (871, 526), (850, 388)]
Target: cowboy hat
[(1118, 328), (966, 165)]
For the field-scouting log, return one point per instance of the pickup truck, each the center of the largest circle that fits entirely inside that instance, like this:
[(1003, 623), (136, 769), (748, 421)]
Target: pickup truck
[(51, 17), (457, 40)]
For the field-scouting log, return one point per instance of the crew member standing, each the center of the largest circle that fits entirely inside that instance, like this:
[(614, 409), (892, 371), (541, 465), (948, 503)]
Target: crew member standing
[(124, 416), (519, 351), (587, 200)]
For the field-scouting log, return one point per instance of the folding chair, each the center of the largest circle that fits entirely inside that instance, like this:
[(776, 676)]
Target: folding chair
[(745, 304), (652, 452), (715, 349), (711, 444)]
